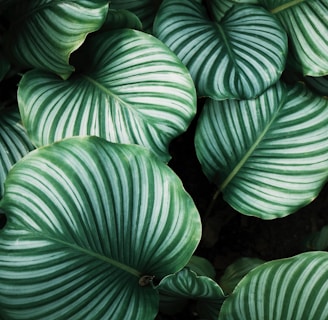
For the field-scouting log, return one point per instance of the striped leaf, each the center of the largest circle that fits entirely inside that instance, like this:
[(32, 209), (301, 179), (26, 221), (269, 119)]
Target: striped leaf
[(119, 19), (236, 271), (306, 23), (14, 143), (237, 58), (268, 156), (44, 33), (286, 289), (131, 89), (218, 8), (144, 9), (318, 84), (186, 284), (89, 224)]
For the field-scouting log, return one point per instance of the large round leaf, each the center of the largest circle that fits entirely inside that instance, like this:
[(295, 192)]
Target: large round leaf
[(14, 143), (131, 89), (286, 289), (45, 33), (237, 58), (306, 23), (87, 219), (268, 156)]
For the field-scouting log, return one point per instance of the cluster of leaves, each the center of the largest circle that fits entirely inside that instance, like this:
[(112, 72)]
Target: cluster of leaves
[(97, 225)]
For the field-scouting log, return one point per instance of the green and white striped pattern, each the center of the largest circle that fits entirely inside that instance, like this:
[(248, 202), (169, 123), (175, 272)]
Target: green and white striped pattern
[(132, 89), (86, 219), (237, 58), (144, 9), (14, 143), (218, 8), (288, 289), (268, 156), (186, 284), (45, 33), (306, 23)]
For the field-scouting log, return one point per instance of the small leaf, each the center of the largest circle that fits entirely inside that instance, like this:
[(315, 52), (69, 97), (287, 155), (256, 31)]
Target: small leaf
[(186, 284), (119, 19), (268, 156), (218, 8), (132, 90), (86, 221), (239, 57), (236, 271), (45, 33), (145, 10), (286, 289)]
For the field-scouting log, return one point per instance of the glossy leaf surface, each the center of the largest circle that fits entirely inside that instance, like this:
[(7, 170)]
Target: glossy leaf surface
[(86, 219), (14, 143), (287, 289), (268, 156), (45, 33), (132, 89), (306, 23), (237, 58)]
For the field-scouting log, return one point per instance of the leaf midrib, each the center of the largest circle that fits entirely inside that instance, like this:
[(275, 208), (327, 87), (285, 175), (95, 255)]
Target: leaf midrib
[(286, 6), (96, 255), (248, 154), (110, 93)]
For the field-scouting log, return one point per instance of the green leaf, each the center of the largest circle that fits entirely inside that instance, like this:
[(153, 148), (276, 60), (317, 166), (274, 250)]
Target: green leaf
[(237, 58), (144, 9), (14, 143), (306, 23), (89, 224), (218, 8), (45, 33), (317, 240), (318, 84), (201, 266), (185, 285), (236, 271), (133, 90), (286, 289), (119, 19), (268, 156)]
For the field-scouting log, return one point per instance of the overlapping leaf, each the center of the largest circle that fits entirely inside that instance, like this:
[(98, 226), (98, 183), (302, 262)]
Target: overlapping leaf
[(306, 23), (131, 89), (144, 9), (218, 8), (268, 156), (14, 143), (293, 288), (86, 220), (186, 284), (237, 58), (45, 33)]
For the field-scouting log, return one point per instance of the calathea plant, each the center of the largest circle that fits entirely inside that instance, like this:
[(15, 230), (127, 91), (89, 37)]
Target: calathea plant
[(94, 223)]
